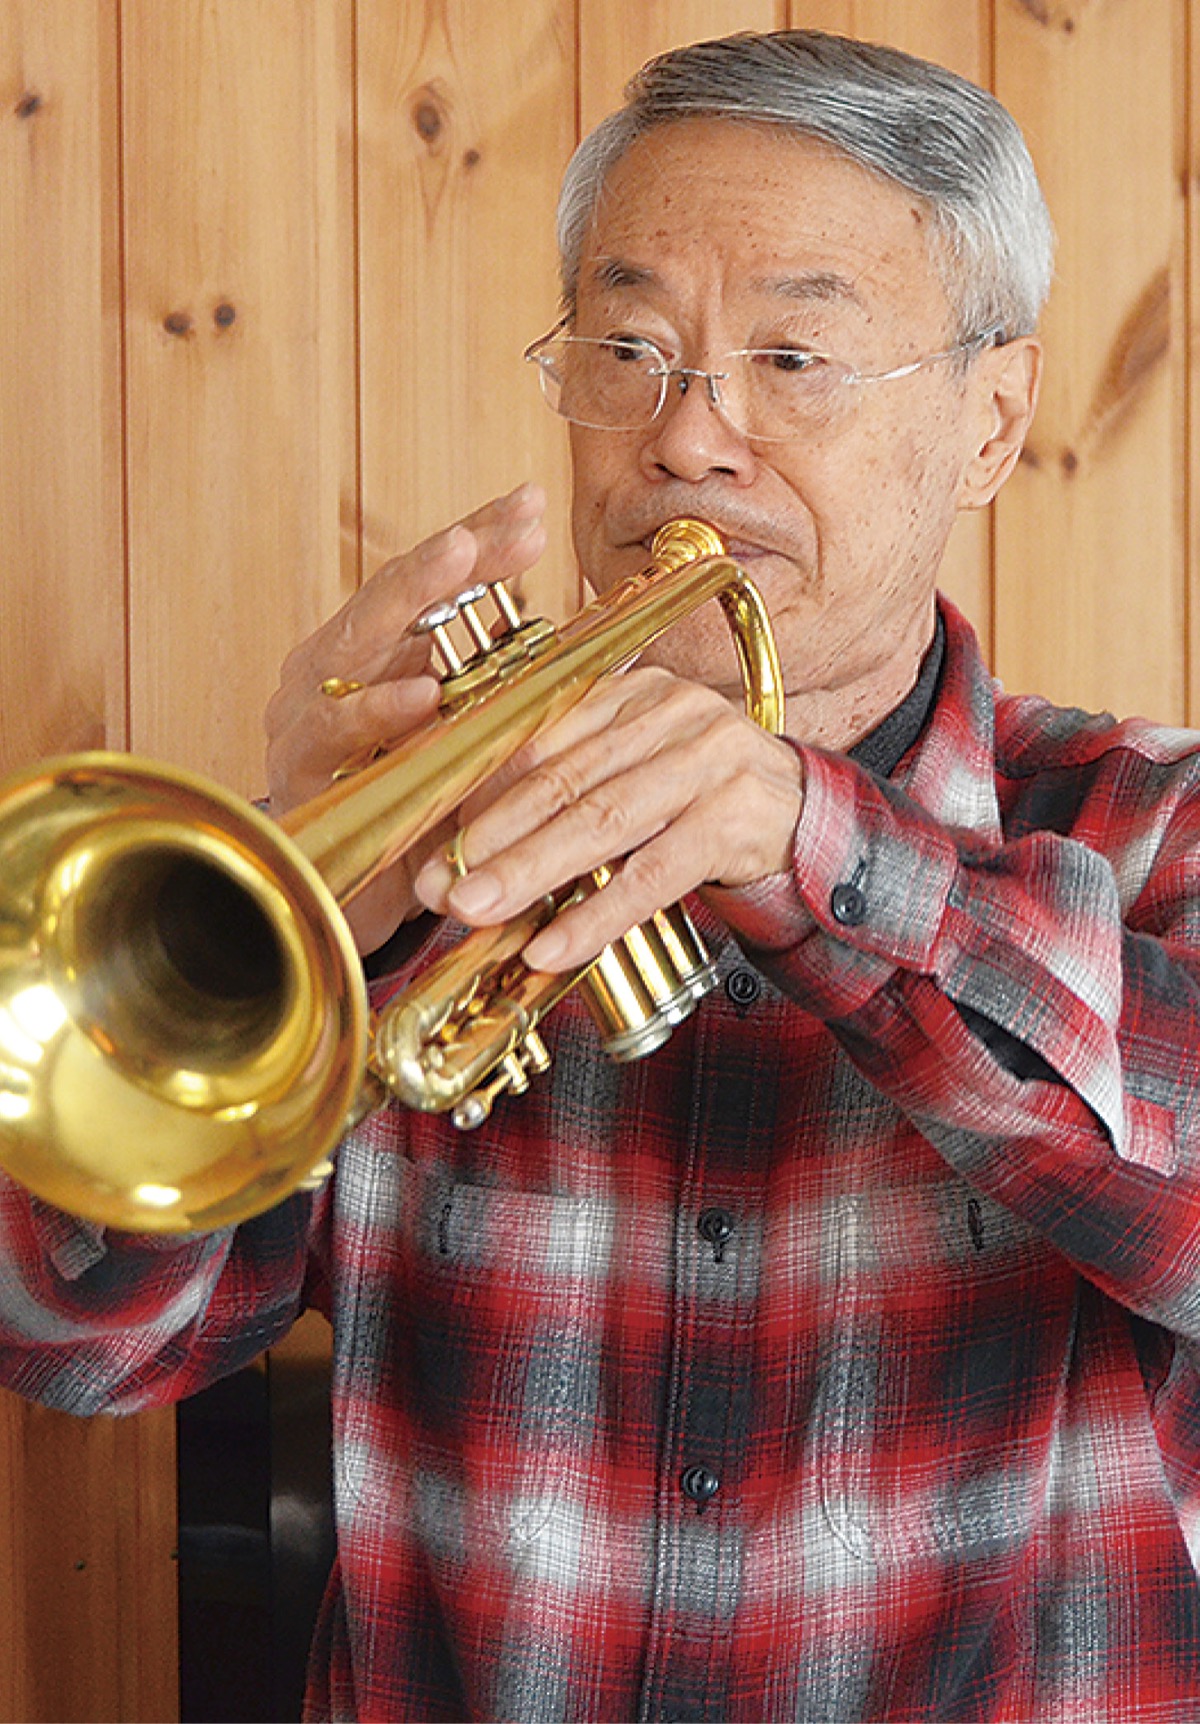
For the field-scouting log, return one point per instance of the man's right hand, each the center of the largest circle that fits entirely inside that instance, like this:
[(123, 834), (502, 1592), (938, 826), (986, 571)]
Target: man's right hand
[(310, 735)]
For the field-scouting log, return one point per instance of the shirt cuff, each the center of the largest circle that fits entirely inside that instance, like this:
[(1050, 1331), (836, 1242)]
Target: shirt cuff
[(871, 879)]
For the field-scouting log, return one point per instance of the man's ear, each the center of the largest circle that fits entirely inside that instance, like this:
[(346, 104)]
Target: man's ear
[(1004, 384)]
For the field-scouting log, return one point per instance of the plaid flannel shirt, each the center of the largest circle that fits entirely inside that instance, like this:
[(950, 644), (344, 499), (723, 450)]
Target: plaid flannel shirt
[(838, 1363)]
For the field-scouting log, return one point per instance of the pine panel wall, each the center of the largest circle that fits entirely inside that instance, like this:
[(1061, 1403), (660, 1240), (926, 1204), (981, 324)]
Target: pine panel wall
[(266, 270)]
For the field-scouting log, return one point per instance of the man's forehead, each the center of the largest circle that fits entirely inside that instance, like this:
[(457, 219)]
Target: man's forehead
[(739, 157), (795, 220)]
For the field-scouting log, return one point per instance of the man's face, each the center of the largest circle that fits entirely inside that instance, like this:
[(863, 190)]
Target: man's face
[(713, 236)]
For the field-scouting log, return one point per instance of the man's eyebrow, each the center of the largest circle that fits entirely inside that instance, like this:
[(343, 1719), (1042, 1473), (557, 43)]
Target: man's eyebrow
[(613, 272), (818, 284)]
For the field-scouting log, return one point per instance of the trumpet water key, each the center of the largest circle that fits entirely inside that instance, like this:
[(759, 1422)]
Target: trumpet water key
[(185, 1033)]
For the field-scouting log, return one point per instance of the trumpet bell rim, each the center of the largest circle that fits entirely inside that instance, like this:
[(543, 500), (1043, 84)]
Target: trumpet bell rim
[(202, 1009)]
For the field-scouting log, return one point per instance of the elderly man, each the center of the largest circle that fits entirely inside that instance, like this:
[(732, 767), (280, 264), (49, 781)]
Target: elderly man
[(837, 1363)]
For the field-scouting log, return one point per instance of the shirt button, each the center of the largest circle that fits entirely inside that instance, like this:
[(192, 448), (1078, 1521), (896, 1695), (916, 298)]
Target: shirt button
[(700, 1484), (743, 987), (715, 1225), (848, 904)]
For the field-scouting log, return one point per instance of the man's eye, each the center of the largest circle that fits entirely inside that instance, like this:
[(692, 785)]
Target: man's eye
[(791, 360), (631, 349)]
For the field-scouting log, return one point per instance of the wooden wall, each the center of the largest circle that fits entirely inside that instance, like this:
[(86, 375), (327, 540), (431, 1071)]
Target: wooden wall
[(266, 271)]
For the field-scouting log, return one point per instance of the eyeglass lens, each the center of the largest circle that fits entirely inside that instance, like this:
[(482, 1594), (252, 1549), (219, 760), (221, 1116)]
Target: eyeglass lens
[(617, 386)]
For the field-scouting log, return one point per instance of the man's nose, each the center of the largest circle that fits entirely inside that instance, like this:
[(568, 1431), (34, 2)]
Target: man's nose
[(691, 437)]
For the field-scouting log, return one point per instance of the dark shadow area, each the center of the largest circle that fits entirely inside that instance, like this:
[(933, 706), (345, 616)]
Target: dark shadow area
[(255, 1539)]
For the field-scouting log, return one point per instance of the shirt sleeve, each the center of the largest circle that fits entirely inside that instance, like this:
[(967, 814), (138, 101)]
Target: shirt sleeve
[(99, 1321), (905, 936)]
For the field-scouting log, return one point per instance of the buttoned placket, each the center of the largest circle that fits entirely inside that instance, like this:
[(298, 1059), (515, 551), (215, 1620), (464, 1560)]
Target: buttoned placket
[(716, 1274)]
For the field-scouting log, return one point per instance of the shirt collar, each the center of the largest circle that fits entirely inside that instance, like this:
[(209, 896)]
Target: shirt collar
[(883, 748)]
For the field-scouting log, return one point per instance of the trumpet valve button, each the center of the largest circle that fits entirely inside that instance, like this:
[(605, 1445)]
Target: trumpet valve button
[(434, 617), (435, 622)]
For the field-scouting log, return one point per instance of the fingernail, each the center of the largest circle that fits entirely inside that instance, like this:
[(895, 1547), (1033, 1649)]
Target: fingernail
[(523, 519), (476, 894), (441, 543)]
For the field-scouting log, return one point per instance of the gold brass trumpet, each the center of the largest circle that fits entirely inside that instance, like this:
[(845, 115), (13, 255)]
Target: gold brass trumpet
[(185, 1033)]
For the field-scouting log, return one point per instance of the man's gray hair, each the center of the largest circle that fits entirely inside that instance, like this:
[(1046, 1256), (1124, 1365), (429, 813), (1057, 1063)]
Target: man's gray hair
[(932, 132)]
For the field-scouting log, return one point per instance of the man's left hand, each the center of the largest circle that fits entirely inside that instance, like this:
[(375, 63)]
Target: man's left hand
[(658, 777)]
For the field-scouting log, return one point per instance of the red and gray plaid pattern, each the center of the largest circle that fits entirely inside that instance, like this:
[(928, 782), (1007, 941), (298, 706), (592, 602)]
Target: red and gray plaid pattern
[(838, 1363)]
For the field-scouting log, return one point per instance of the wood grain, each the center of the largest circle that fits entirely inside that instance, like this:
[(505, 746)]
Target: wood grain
[(89, 1584), (240, 340), (62, 652), (1091, 599), (616, 40), (466, 121), (87, 1517)]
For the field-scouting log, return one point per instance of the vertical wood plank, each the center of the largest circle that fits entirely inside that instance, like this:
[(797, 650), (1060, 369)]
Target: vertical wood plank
[(1090, 586), (955, 36), (100, 1625), (616, 40), (15, 1661), (238, 117), (958, 37), (87, 1572), (466, 119), (62, 655), (87, 1511), (1191, 356)]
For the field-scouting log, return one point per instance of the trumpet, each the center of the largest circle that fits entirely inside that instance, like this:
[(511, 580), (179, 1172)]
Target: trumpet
[(185, 1031)]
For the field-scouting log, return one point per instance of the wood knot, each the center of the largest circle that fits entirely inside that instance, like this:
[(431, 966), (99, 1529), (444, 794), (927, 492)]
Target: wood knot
[(1069, 462), (224, 315), (177, 323), (1139, 350), (471, 158), (429, 119), (1061, 15), (28, 105)]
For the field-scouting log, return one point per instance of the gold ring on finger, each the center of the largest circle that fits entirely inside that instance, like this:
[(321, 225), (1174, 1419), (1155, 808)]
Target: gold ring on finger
[(454, 855), (338, 687)]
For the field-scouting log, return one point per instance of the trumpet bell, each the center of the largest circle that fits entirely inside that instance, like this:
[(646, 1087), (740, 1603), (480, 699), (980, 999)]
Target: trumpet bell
[(183, 1019)]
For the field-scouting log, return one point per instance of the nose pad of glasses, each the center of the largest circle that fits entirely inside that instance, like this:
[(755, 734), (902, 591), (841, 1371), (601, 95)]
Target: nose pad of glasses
[(686, 375)]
